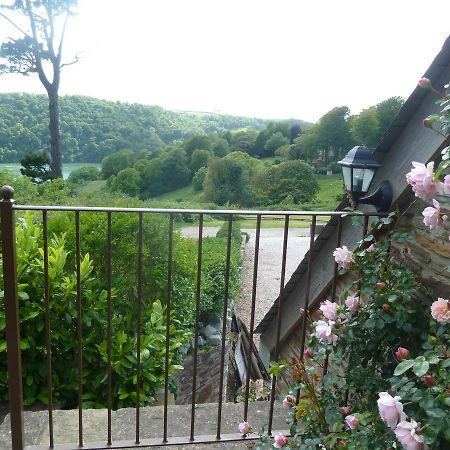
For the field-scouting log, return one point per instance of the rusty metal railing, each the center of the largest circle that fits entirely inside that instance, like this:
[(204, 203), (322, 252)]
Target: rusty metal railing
[(7, 214)]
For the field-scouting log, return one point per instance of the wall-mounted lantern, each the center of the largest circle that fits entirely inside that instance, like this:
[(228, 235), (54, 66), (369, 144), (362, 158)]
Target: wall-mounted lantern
[(358, 170)]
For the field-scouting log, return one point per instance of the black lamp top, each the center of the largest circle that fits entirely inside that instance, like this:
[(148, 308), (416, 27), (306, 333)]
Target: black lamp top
[(360, 157)]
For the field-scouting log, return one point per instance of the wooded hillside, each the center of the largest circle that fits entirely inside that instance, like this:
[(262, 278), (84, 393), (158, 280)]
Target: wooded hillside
[(92, 128)]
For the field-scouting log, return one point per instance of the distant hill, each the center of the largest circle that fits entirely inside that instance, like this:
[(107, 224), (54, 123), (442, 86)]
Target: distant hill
[(92, 129)]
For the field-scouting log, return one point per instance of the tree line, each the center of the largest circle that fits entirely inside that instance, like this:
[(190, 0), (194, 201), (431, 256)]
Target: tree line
[(92, 129), (230, 168)]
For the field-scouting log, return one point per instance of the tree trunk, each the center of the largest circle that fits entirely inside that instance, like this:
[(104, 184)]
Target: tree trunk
[(55, 136)]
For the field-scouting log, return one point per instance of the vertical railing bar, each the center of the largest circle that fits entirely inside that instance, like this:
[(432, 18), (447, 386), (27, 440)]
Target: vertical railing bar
[(224, 323), (252, 315), (197, 316), (48, 342), (308, 284), (335, 273), (279, 315), (109, 325), (333, 288), (347, 390), (307, 293), (169, 296), (79, 331), (11, 302), (138, 327)]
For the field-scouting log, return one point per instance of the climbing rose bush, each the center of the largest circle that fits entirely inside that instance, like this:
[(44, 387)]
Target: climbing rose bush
[(387, 383), (377, 368)]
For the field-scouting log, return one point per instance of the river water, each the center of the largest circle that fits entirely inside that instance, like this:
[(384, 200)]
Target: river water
[(67, 168)]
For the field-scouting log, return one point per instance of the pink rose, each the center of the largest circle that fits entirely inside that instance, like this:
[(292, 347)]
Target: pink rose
[(288, 401), (328, 309), (421, 179), (352, 303), (345, 410), (280, 441), (406, 434), (244, 428), (386, 307), (402, 353), (391, 409), (324, 332), (371, 248), (343, 257), (444, 188), (352, 422), (440, 310), (432, 216), (309, 352)]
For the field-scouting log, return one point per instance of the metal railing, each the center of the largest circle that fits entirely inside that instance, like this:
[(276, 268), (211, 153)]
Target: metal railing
[(8, 223)]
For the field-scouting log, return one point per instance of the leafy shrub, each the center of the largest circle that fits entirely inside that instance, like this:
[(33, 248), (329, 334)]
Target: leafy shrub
[(199, 178), (62, 282), (83, 174)]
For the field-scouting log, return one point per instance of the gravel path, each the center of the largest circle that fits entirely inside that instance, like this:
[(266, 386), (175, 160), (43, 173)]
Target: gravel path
[(269, 266), (269, 269)]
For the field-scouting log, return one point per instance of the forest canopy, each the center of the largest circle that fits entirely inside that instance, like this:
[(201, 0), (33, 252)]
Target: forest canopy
[(92, 129)]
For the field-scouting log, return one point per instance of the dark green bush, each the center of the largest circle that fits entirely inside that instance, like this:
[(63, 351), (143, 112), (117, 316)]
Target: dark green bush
[(83, 174)]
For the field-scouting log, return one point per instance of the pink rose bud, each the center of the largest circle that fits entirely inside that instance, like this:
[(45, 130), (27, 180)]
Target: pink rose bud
[(386, 307), (402, 353), (424, 83), (380, 284), (280, 441), (244, 428), (345, 410), (309, 352), (289, 401), (352, 422), (342, 443), (428, 380)]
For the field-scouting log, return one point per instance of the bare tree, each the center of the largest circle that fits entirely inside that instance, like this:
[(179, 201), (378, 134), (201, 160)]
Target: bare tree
[(41, 26)]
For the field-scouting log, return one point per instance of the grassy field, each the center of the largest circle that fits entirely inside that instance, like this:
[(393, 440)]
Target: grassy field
[(187, 198), (330, 189)]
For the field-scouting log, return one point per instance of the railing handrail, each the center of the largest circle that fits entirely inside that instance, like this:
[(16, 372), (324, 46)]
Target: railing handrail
[(193, 211)]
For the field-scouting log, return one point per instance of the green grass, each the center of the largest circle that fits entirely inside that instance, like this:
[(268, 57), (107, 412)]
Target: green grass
[(330, 193), (92, 187), (184, 194), (330, 188)]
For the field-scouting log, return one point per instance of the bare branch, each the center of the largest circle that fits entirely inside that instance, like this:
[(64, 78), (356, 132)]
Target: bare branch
[(37, 54), (13, 24), (77, 58), (51, 37), (59, 56)]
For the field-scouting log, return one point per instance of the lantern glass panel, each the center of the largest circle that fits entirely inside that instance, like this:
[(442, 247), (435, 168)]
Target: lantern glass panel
[(362, 179), (347, 174)]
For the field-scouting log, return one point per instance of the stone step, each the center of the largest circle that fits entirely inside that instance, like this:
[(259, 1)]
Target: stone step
[(151, 424)]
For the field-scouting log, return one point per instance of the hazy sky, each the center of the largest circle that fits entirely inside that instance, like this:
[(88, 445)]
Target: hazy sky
[(261, 58)]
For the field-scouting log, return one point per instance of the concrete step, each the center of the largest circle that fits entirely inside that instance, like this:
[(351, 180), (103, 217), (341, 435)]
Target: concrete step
[(151, 425)]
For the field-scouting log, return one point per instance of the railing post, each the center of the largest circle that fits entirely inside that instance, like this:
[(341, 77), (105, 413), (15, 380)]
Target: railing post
[(8, 236)]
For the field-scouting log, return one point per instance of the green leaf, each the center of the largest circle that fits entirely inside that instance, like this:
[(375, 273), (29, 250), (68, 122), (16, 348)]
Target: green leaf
[(421, 366), (403, 367)]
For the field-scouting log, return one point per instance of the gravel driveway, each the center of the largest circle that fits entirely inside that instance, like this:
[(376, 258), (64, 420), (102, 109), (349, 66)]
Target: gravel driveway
[(269, 266)]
